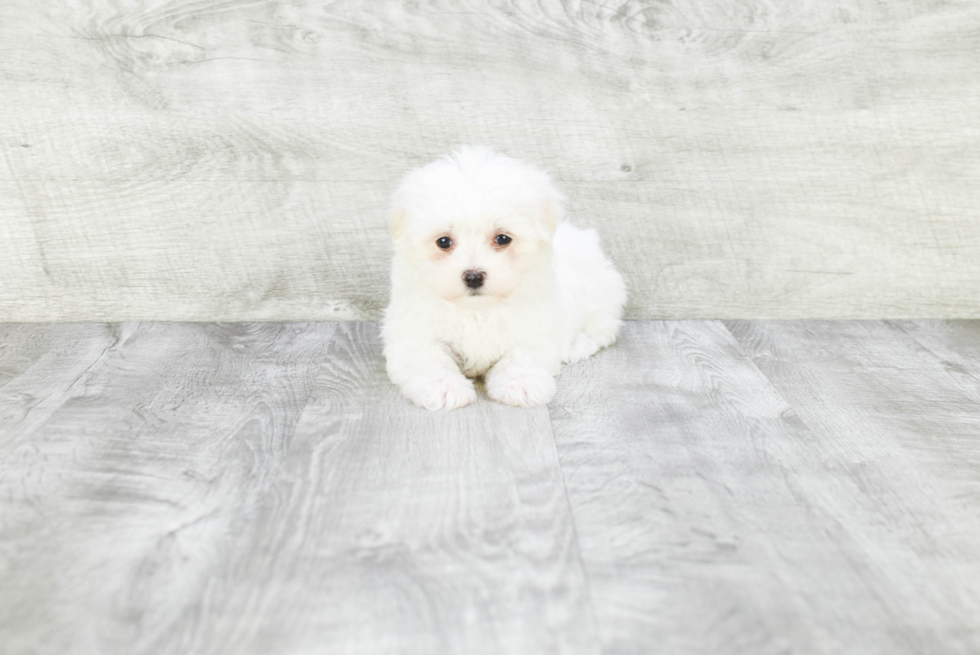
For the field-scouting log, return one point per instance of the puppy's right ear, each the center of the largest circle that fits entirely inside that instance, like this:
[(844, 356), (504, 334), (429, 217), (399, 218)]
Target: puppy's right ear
[(398, 209), (397, 220)]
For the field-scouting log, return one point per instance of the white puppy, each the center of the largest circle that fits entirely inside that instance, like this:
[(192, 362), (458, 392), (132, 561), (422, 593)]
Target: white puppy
[(487, 279)]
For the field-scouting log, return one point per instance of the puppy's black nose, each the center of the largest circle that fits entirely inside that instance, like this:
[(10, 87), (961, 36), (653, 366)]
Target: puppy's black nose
[(474, 279)]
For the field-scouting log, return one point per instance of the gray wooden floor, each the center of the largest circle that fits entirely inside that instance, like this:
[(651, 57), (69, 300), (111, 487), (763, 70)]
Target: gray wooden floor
[(701, 487)]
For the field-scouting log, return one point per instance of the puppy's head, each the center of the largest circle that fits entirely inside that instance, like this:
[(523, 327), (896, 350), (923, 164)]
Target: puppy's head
[(476, 225)]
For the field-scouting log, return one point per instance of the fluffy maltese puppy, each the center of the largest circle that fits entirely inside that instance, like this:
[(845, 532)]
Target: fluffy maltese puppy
[(489, 280)]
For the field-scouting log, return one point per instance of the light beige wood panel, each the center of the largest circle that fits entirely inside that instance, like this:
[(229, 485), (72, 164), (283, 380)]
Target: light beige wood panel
[(122, 508), (713, 519), (205, 160)]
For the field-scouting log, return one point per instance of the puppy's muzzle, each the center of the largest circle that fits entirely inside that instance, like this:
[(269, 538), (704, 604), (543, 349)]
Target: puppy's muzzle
[(474, 279)]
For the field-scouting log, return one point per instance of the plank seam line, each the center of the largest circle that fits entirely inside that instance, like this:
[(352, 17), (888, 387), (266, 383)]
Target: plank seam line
[(597, 630), (939, 358), (772, 385)]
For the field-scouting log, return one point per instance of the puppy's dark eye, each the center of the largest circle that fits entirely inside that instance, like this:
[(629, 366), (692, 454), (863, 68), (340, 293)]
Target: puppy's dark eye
[(444, 242), (502, 240)]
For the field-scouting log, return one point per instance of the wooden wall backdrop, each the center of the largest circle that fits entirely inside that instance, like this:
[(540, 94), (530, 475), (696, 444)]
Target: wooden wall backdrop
[(231, 159)]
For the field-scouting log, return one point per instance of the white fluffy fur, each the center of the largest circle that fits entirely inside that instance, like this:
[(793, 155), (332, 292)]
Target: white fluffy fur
[(550, 295)]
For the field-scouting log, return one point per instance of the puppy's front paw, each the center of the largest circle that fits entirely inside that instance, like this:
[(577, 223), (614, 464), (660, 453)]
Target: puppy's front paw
[(523, 387), (440, 391)]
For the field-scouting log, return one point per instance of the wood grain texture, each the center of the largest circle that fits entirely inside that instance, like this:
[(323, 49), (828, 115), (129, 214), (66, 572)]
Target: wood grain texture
[(41, 368), (232, 160), (955, 343), (399, 530), (181, 504), (122, 508), (828, 511), (901, 423), (700, 487)]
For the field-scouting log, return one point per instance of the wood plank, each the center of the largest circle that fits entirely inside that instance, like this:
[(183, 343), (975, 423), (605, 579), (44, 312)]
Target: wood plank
[(903, 424), (233, 160), (48, 348), (121, 509), (392, 529), (44, 366), (876, 391), (713, 519), (956, 343), (178, 503)]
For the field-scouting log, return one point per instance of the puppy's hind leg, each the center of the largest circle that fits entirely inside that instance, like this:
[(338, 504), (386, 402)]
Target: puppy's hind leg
[(598, 331), (594, 290)]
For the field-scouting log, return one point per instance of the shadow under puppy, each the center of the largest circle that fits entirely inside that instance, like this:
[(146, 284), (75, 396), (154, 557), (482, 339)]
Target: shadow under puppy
[(488, 279)]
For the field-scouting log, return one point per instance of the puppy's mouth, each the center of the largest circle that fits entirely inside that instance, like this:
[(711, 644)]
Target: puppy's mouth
[(477, 299)]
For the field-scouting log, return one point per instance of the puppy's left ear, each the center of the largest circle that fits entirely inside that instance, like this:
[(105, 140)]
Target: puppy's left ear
[(550, 213), (552, 206)]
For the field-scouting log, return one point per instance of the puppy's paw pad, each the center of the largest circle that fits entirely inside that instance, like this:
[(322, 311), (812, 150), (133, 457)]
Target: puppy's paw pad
[(442, 392), (524, 389), (582, 348)]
